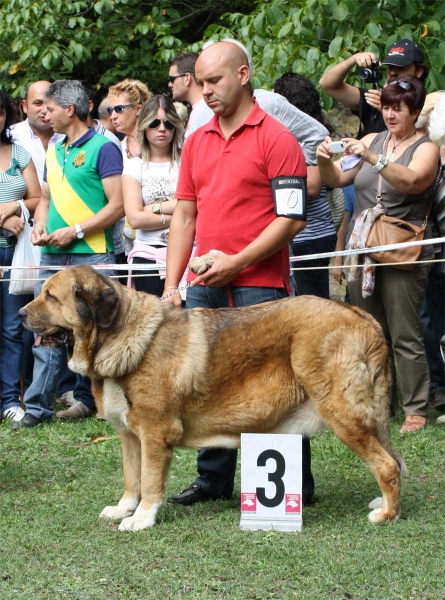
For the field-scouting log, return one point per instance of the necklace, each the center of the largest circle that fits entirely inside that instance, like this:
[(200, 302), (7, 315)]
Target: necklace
[(394, 146), (130, 155)]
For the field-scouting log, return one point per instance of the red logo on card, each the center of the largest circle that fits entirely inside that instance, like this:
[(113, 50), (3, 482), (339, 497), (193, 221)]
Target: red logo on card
[(248, 502), (293, 504)]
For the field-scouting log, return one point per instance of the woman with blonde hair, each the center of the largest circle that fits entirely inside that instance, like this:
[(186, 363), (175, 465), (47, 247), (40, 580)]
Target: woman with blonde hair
[(149, 184), (126, 99)]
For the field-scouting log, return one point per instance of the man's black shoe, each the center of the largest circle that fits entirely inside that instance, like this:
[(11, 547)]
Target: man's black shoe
[(28, 420), (194, 493)]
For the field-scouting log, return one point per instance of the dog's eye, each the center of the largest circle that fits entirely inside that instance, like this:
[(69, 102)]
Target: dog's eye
[(50, 296)]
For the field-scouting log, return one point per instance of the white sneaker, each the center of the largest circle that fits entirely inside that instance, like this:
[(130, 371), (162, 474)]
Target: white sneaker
[(15, 413), (441, 419)]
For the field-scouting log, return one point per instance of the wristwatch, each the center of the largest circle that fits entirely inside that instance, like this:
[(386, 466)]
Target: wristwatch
[(156, 208), (79, 233), (381, 163)]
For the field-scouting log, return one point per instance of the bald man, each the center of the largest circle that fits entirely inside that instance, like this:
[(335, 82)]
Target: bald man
[(225, 198), (35, 133)]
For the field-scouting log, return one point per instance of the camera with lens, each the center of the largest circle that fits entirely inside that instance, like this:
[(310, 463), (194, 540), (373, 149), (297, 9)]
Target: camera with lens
[(371, 74)]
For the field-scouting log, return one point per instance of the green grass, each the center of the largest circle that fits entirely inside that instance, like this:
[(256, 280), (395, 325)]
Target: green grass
[(55, 481)]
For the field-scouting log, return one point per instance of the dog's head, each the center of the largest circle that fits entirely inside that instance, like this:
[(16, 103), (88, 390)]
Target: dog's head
[(73, 307)]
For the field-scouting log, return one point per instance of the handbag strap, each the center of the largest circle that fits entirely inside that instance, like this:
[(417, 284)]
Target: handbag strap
[(380, 179)]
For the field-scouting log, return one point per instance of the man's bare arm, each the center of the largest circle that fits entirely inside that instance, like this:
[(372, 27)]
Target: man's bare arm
[(333, 81)]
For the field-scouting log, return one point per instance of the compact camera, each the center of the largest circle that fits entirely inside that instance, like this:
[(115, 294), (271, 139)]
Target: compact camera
[(371, 74), (337, 147)]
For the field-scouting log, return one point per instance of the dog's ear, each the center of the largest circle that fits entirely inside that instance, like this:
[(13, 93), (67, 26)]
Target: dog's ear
[(100, 306)]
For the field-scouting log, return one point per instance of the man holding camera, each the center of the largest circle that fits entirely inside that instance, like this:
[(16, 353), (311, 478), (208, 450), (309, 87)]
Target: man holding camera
[(404, 58)]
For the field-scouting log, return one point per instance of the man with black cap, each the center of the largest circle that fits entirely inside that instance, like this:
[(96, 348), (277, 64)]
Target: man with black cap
[(404, 58)]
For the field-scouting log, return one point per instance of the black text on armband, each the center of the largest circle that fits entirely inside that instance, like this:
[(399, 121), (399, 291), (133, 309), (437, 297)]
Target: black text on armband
[(289, 195)]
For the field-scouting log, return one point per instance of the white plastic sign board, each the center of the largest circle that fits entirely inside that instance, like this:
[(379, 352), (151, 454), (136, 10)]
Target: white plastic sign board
[(271, 482)]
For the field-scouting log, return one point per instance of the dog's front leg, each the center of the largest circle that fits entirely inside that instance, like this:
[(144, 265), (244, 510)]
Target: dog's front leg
[(156, 459), (131, 451)]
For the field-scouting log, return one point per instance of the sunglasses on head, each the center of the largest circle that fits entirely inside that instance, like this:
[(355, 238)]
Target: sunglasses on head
[(118, 109), (406, 85), (157, 123), (171, 78)]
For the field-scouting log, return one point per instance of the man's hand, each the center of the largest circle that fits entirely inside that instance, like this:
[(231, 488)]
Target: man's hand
[(224, 270), (364, 59), (62, 237), (372, 98), (174, 299), (39, 237)]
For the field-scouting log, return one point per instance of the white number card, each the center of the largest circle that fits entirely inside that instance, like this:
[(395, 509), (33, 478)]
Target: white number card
[(271, 482)]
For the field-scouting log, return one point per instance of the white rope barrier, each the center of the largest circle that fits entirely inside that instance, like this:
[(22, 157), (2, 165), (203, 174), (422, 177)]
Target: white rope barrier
[(146, 268)]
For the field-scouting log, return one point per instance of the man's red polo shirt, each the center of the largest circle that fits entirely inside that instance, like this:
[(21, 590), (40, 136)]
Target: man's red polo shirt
[(229, 180)]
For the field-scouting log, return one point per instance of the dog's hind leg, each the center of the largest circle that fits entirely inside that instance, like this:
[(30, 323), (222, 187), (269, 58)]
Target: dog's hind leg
[(156, 456), (383, 466), (131, 451)]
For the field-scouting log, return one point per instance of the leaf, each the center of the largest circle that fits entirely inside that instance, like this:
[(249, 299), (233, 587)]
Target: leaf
[(258, 22), (285, 30), (373, 30), (340, 12), (274, 14), (334, 47)]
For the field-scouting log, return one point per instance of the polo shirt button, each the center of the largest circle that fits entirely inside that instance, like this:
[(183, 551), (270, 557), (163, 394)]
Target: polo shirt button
[(233, 137)]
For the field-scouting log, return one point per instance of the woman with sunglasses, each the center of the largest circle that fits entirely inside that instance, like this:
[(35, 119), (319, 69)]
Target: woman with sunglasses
[(126, 99), (407, 162), (18, 181), (149, 185)]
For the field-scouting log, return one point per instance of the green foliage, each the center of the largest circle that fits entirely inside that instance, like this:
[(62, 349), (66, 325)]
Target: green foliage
[(309, 36), (107, 40)]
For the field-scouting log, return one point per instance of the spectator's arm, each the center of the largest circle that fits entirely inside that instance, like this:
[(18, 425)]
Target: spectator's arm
[(333, 81)]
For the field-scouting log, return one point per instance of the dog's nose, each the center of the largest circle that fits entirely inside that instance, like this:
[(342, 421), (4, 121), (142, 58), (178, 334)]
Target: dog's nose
[(23, 313)]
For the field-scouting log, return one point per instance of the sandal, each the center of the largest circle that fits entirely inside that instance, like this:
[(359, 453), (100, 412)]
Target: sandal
[(413, 423)]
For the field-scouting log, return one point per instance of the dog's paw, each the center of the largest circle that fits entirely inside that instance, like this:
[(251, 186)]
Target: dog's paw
[(125, 508), (200, 264), (142, 519), (378, 516), (376, 503), (135, 524)]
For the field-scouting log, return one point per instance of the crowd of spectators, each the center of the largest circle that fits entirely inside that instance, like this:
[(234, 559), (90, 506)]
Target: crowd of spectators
[(153, 179)]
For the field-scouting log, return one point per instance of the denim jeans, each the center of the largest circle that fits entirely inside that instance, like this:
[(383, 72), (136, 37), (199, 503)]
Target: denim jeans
[(11, 337), (313, 281), (48, 361), (216, 466)]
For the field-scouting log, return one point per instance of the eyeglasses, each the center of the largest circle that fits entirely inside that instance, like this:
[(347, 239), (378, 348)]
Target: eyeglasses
[(406, 85), (157, 123), (171, 78), (118, 109)]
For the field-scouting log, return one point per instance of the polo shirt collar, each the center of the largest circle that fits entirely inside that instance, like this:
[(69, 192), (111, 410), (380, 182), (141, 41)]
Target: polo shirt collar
[(84, 138), (254, 118)]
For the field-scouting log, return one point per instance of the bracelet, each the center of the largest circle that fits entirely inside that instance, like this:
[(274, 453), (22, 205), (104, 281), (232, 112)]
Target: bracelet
[(171, 287), (18, 211)]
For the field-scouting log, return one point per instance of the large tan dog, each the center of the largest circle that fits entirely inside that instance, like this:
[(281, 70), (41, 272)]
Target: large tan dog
[(168, 377)]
